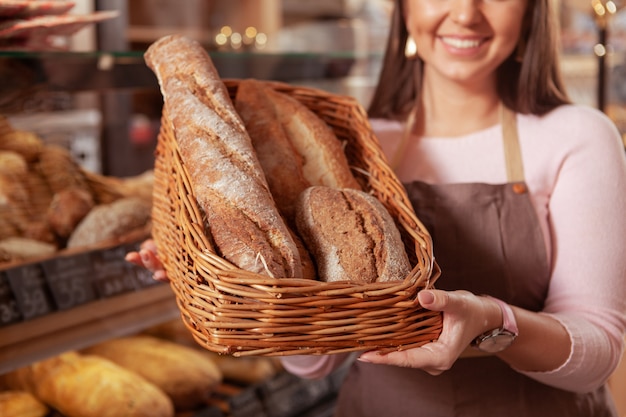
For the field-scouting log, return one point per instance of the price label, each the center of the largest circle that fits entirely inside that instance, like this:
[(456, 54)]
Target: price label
[(29, 287), (9, 311), (141, 276), (69, 279), (112, 274)]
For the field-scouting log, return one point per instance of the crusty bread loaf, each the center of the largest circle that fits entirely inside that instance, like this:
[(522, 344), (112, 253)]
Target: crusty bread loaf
[(67, 209), (223, 169), (324, 161), (21, 248), (90, 386), (17, 403), (351, 236), (281, 162), (295, 147), (243, 370), (186, 375), (110, 222)]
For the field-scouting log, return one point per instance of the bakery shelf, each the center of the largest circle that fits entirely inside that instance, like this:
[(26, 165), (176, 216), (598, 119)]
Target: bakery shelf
[(28, 341), (98, 71)]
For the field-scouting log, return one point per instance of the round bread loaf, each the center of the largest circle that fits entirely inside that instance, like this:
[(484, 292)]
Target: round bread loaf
[(351, 236)]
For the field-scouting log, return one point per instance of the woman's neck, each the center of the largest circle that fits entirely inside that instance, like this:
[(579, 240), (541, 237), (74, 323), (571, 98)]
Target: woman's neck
[(449, 109)]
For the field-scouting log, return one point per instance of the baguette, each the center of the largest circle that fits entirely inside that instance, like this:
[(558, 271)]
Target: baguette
[(16, 403), (185, 374), (281, 163), (324, 161), (228, 181), (295, 147), (351, 235), (90, 386)]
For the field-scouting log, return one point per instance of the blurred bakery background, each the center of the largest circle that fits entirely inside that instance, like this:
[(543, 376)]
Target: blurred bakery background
[(330, 44), (73, 78)]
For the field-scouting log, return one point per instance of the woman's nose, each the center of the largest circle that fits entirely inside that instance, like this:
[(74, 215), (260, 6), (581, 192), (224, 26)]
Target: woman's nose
[(465, 12)]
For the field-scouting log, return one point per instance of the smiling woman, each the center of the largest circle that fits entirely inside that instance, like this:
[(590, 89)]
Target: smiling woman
[(480, 130)]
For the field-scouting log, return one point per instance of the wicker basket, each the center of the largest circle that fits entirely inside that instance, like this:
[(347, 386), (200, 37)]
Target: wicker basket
[(232, 311)]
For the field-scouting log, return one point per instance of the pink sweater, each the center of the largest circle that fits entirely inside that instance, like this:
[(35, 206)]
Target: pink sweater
[(575, 168)]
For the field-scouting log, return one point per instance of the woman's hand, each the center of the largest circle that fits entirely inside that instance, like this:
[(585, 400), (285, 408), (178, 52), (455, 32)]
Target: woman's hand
[(465, 316), (147, 258)]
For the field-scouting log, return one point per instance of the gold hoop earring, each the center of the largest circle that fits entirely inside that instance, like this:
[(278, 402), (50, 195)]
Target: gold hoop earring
[(410, 48), (520, 51)]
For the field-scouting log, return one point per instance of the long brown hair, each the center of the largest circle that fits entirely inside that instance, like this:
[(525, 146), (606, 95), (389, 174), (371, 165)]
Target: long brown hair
[(532, 86)]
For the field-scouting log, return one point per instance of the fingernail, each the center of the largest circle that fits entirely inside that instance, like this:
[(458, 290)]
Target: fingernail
[(363, 359), (144, 256), (426, 297)]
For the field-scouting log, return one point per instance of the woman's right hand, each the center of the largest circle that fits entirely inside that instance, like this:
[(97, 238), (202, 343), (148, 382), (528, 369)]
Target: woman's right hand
[(147, 258)]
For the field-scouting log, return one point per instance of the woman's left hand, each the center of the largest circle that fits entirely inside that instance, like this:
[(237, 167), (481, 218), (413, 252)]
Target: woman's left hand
[(465, 316), (147, 258)]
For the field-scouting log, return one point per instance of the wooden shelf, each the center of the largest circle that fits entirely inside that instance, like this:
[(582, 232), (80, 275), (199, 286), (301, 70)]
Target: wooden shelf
[(81, 326)]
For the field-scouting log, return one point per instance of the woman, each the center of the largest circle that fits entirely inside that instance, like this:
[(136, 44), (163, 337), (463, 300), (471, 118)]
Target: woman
[(524, 195)]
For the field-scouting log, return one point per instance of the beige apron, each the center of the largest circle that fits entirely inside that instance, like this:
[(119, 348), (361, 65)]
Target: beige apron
[(487, 239)]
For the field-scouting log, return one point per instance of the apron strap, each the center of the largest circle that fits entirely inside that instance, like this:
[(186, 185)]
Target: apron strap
[(512, 151), (404, 140)]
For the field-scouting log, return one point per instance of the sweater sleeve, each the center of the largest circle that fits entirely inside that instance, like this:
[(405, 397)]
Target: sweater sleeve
[(587, 236), (312, 366)]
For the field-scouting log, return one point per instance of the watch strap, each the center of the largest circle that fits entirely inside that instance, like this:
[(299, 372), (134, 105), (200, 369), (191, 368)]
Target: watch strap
[(509, 323)]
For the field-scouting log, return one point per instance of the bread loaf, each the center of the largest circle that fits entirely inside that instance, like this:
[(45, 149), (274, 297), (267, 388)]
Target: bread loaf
[(20, 248), (90, 386), (351, 236), (324, 161), (185, 374), (223, 169), (295, 147), (281, 162), (67, 209), (243, 370), (15, 403), (109, 222)]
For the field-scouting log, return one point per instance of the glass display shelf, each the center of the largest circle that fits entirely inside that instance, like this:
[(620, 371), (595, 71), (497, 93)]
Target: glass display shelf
[(97, 71)]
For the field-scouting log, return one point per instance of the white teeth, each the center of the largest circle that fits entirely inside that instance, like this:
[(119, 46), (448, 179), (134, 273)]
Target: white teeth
[(462, 43)]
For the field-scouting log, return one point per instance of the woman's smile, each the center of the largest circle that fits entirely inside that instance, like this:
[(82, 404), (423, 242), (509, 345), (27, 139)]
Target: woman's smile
[(462, 45)]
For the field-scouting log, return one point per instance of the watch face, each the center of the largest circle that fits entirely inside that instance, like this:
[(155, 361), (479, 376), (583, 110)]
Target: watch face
[(496, 342)]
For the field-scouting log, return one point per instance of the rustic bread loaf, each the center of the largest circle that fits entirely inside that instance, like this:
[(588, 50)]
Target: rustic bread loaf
[(110, 222), (243, 370), (295, 147), (281, 162), (17, 403), (223, 169), (186, 375), (27, 144), (58, 167), (324, 161), (67, 209), (90, 386), (20, 248), (351, 236)]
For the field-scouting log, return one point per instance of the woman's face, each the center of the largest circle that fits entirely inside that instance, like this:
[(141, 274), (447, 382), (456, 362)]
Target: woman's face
[(464, 40)]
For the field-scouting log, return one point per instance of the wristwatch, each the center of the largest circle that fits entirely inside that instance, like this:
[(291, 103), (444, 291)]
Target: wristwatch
[(498, 339)]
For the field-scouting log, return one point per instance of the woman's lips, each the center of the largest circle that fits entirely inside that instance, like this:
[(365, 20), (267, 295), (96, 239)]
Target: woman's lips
[(463, 46)]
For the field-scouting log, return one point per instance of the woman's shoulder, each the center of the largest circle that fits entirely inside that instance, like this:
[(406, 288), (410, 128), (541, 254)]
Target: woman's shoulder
[(573, 117), (573, 121)]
